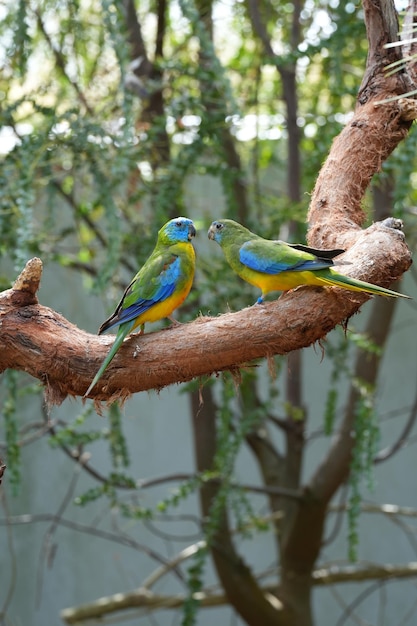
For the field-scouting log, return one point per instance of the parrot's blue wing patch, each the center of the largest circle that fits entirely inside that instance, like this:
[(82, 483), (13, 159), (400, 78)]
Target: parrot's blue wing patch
[(256, 262), (164, 287), (140, 306), (259, 263), (161, 287), (170, 275)]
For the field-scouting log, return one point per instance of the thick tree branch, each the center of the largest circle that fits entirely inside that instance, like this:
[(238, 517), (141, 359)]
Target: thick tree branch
[(335, 214), (40, 341), (377, 127)]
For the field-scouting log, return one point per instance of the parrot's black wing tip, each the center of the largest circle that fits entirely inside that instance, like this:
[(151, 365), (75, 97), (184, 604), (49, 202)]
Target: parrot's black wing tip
[(321, 254)]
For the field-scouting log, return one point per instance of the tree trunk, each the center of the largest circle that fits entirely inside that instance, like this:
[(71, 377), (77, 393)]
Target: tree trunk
[(238, 582)]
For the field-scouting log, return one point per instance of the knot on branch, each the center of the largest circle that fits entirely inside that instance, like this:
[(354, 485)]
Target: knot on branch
[(407, 108), (379, 253), (27, 283), (393, 222)]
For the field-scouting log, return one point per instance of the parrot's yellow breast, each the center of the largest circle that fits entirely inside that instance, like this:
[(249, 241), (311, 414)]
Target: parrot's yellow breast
[(280, 282), (164, 308)]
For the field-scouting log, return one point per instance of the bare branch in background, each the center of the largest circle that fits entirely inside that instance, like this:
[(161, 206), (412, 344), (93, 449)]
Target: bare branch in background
[(61, 62), (143, 598)]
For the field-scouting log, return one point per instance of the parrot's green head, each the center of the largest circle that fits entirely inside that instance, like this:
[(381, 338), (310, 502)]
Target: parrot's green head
[(226, 231), (180, 229)]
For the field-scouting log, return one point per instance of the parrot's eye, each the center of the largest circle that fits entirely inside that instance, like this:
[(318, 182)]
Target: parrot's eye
[(219, 225), (178, 224)]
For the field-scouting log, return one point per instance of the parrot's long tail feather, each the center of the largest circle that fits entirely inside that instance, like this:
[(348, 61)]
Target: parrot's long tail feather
[(353, 284), (124, 330)]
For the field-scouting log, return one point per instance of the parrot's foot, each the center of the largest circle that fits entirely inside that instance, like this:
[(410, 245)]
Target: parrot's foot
[(173, 321)]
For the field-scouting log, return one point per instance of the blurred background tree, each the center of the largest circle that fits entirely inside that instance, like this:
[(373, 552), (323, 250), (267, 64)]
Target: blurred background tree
[(117, 116)]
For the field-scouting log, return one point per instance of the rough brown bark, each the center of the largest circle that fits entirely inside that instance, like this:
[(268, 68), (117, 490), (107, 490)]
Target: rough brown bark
[(40, 341), (335, 214), (377, 127)]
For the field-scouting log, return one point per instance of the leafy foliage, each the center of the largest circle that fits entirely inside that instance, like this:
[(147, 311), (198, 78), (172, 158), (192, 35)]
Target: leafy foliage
[(366, 439)]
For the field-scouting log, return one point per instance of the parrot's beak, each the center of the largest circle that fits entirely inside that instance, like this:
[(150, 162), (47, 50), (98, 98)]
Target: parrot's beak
[(211, 232), (191, 232)]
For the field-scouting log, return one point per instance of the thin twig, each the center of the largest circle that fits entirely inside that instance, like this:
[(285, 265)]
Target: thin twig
[(121, 539), (389, 451), (61, 62), (47, 548)]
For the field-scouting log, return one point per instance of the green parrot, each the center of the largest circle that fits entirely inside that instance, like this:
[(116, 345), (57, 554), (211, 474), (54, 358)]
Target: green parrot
[(159, 287), (279, 266)]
